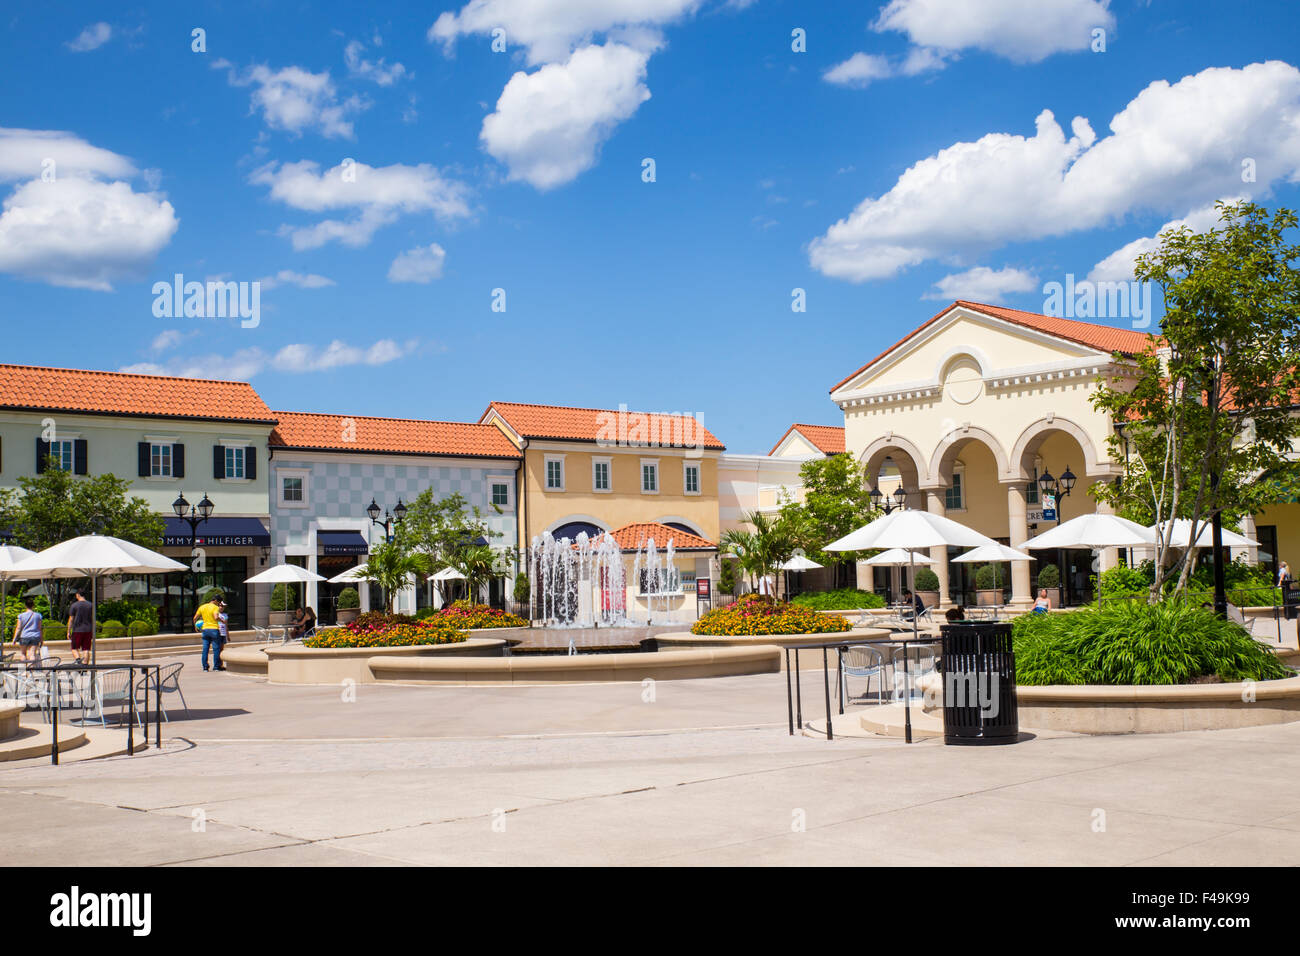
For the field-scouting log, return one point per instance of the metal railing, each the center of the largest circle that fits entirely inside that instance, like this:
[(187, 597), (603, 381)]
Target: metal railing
[(794, 694), (52, 674)]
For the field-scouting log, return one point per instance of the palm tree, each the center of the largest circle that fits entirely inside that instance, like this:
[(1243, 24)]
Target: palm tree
[(392, 567), (479, 563), (772, 542)]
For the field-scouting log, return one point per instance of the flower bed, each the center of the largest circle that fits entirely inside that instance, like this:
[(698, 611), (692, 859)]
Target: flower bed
[(753, 616), (388, 630), (475, 617)]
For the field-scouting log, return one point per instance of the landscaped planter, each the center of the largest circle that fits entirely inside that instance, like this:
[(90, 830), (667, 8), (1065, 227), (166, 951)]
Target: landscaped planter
[(347, 615), (279, 618), (988, 598), (929, 598)]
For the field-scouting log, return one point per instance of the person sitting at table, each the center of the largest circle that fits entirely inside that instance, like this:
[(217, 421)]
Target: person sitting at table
[(917, 604), (1043, 604), (299, 623)]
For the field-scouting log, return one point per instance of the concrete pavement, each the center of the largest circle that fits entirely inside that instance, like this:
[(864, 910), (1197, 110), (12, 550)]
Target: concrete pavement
[(696, 772)]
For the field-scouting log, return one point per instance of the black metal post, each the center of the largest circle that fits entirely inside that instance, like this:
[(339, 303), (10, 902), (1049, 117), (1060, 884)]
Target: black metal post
[(789, 694), (54, 747), (839, 677), (1216, 542), (157, 714), (826, 681), (798, 691), (907, 698), (130, 696)]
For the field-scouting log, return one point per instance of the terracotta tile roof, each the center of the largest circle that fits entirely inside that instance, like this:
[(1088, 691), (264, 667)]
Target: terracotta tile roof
[(593, 424), (121, 393), (828, 439), (404, 436), (631, 537), (1105, 338)]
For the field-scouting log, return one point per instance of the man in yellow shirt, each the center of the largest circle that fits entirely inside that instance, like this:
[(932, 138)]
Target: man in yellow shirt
[(210, 615)]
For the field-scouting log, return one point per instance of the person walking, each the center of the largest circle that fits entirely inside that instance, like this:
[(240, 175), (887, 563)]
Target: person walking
[(1285, 582), (30, 632), (209, 615), (223, 622), (81, 626)]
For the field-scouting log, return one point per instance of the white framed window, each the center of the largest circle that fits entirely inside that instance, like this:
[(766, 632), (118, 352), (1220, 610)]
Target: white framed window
[(954, 496), (234, 461), (293, 486), (554, 472), (160, 460), (62, 453), (602, 475), (649, 476), (691, 477), (499, 492)]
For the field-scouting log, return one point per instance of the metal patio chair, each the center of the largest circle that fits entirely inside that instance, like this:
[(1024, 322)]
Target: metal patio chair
[(920, 662), (858, 660)]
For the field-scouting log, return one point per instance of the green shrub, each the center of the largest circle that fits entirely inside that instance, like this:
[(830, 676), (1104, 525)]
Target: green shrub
[(113, 629), (1132, 642), (843, 599), (139, 629), (926, 580), (127, 611), (727, 578), (988, 577), (1124, 582), (210, 594), (521, 589), (349, 600), (281, 598), (56, 632), (1049, 576)]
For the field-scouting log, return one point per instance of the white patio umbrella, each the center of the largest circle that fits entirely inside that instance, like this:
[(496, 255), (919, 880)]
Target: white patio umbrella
[(1094, 531), (94, 556), (449, 574), (994, 554), (285, 574), (9, 555), (350, 575), (896, 557), (1179, 532), (800, 563)]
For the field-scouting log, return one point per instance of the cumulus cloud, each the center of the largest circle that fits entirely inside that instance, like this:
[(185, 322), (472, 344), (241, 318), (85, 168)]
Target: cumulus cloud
[(859, 70), (377, 195), (377, 72), (293, 99), (168, 339), (63, 224), (550, 30), (1173, 147), (1024, 31), (548, 126), (1118, 266), (983, 284), (247, 363), (307, 280), (422, 264), (91, 38)]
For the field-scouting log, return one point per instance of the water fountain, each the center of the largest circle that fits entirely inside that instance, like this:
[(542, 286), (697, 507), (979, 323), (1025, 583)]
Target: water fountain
[(578, 583), (654, 577)]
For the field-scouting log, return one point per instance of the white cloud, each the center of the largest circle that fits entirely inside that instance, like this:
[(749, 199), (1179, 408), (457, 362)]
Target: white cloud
[(1024, 31), (302, 280), (550, 30), (91, 38), (76, 230), (1173, 147), (244, 364), (293, 99), (379, 72), (27, 154), (983, 284), (1118, 266), (548, 126), (422, 264), (861, 69), (378, 195), (167, 339)]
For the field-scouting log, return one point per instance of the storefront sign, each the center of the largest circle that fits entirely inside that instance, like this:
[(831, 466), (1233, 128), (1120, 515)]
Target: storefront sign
[(213, 541), (1049, 507), (702, 587)]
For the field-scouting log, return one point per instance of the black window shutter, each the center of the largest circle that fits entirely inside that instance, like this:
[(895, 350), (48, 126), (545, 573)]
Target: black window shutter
[(250, 462), (218, 461), (145, 451), (79, 457), (42, 455), (178, 461)]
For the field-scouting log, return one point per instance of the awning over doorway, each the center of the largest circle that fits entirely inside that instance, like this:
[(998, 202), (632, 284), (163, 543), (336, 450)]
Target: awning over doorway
[(342, 542), (217, 533)]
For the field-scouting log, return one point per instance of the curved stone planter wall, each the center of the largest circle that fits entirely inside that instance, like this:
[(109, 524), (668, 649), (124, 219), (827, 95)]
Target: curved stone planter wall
[(10, 712), (295, 664), (685, 639), (581, 668)]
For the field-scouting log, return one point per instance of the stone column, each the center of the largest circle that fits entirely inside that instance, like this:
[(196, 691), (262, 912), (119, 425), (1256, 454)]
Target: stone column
[(934, 504), (866, 577), (1248, 529), (1018, 530), (1109, 557)]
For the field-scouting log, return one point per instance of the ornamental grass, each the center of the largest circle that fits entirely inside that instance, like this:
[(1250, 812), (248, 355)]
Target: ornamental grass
[(754, 616)]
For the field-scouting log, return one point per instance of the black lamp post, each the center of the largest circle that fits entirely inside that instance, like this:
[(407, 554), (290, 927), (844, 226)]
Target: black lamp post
[(193, 515), (894, 502), (390, 520), (1059, 488)]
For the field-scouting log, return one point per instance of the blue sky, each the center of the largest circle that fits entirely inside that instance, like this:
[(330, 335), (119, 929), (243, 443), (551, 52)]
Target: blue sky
[(911, 124)]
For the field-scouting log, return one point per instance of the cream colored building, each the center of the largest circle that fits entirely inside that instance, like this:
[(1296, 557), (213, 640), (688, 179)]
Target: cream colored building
[(970, 408)]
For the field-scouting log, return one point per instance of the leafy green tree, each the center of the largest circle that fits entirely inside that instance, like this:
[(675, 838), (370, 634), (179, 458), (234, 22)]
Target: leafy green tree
[(837, 500), (479, 563), (759, 552), (1207, 411), (450, 531), (57, 505)]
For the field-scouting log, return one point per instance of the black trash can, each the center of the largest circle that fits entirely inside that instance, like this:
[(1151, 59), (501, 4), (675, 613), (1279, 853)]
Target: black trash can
[(1291, 599), (979, 684)]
